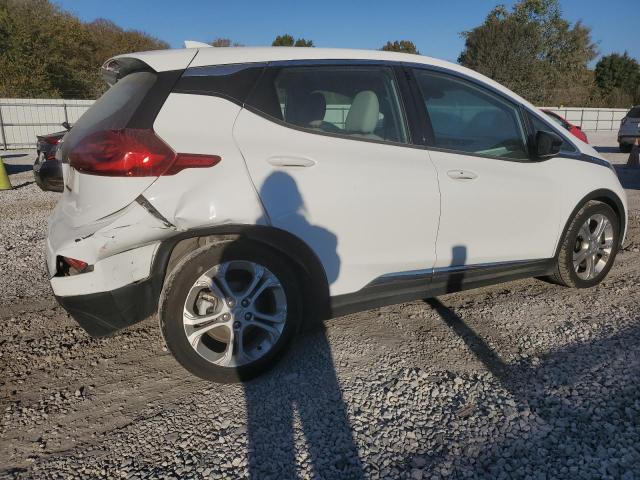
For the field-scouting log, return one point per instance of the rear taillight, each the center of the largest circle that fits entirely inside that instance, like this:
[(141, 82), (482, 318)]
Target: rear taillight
[(67, 266), (132, 153), (79, 265), (623, 121), (52, 140)]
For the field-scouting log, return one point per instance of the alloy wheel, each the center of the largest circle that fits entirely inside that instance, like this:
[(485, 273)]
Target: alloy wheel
[(235, 313), (593, 246)]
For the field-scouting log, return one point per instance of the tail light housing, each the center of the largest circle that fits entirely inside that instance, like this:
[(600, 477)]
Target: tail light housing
[(132, 152), (623, 121), (51, 140), (67, 266)]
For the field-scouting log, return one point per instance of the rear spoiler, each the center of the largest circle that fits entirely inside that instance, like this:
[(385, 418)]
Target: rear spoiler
[(153, 61), (116, 68)]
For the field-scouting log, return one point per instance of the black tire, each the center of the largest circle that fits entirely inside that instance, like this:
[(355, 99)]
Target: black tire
[(565, 273), (625, 148), (180, 282)]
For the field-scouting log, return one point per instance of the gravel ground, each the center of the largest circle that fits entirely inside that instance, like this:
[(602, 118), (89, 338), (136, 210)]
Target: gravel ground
[(521, 380)]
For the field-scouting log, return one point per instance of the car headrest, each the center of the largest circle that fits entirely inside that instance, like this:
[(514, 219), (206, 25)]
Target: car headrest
[(364, 112), (307, 108)]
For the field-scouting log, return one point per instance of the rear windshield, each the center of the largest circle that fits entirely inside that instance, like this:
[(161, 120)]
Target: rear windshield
[(111, 111), (634, 113)]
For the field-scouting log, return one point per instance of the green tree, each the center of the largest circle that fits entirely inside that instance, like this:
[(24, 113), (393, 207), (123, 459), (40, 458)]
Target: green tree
[(224, 42), (47, 52), (535, 52), (109, 39), (287, 40), (301, 42), (403, 46), (618, 78)]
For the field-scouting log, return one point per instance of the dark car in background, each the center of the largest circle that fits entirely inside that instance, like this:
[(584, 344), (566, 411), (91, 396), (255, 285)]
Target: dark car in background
[(629, 129), (575, 130), (47, 171)]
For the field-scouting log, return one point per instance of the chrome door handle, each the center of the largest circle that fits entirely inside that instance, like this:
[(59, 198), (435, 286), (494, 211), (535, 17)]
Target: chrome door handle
[(285, 161), (462, 175)]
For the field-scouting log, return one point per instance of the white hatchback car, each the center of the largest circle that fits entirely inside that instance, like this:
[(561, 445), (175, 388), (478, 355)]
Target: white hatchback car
[(243, 192)]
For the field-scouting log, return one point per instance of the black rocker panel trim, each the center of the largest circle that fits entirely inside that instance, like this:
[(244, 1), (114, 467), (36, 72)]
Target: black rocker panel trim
[(447, 280)]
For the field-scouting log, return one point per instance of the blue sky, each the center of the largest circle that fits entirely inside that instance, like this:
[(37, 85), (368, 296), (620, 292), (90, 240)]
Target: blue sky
[(433, 25)]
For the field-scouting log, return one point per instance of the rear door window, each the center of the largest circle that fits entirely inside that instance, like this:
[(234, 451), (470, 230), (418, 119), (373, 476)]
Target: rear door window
[(470, 119), (357, 101)]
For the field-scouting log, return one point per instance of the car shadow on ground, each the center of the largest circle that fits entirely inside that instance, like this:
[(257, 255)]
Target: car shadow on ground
[(22, 185), (308, 407), (577, 415), (629, 176), (565, 393), (13, 169)]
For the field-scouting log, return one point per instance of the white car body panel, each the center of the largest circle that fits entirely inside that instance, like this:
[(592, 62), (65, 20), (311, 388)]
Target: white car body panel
[(366, 209), (129, 230), (204, 197), (88, 198), (489, 218), (109, 274), (163, 60)]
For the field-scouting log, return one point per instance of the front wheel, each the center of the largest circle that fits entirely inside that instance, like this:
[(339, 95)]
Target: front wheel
[(228, 310), (589, 246)]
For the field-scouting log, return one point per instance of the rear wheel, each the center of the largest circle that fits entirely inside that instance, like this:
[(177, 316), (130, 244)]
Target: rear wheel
[(625, 147), (227, 311), (589, 246)]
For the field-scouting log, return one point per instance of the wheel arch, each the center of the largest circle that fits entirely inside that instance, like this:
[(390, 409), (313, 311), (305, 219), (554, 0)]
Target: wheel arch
[(305, 263), (603, 195)]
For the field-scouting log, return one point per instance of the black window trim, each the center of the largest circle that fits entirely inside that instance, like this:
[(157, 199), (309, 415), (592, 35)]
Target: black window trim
[(418, 127), (407, 110), (524, 109), (519, 108)]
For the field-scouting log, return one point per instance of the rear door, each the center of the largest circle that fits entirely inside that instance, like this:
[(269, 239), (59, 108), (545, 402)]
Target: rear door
[(497, 204), (329, 151)]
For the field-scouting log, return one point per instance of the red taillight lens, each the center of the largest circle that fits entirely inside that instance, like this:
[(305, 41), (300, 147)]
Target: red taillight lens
[(52, 140), (76, 264), (132, 153), (192, 160), (122, 153)]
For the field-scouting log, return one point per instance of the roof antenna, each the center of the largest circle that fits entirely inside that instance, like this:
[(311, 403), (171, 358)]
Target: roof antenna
[(194, 44)]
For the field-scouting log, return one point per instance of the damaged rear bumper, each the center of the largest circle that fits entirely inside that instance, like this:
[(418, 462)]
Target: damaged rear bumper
[(104, 313), (120, 289)]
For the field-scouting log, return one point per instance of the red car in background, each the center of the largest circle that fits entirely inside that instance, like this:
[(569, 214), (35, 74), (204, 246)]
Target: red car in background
[(575, 130)]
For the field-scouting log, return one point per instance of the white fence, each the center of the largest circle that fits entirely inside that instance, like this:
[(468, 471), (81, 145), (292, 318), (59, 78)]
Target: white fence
[(21, 119), (592, 118)]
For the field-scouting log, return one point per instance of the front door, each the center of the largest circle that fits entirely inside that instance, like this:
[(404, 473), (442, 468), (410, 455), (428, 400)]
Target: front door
[(497, 204)]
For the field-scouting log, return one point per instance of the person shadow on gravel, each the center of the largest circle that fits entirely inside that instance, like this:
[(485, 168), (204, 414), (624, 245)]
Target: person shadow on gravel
[(297, 419)]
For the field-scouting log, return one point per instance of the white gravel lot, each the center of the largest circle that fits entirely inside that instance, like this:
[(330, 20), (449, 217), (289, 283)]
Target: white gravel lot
[(520, 380)]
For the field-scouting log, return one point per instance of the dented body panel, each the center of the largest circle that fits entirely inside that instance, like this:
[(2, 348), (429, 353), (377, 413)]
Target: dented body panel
[(206, 197)]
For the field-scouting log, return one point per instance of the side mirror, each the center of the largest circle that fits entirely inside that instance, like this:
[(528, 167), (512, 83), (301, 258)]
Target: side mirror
[(66, 126), (547, 144)]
